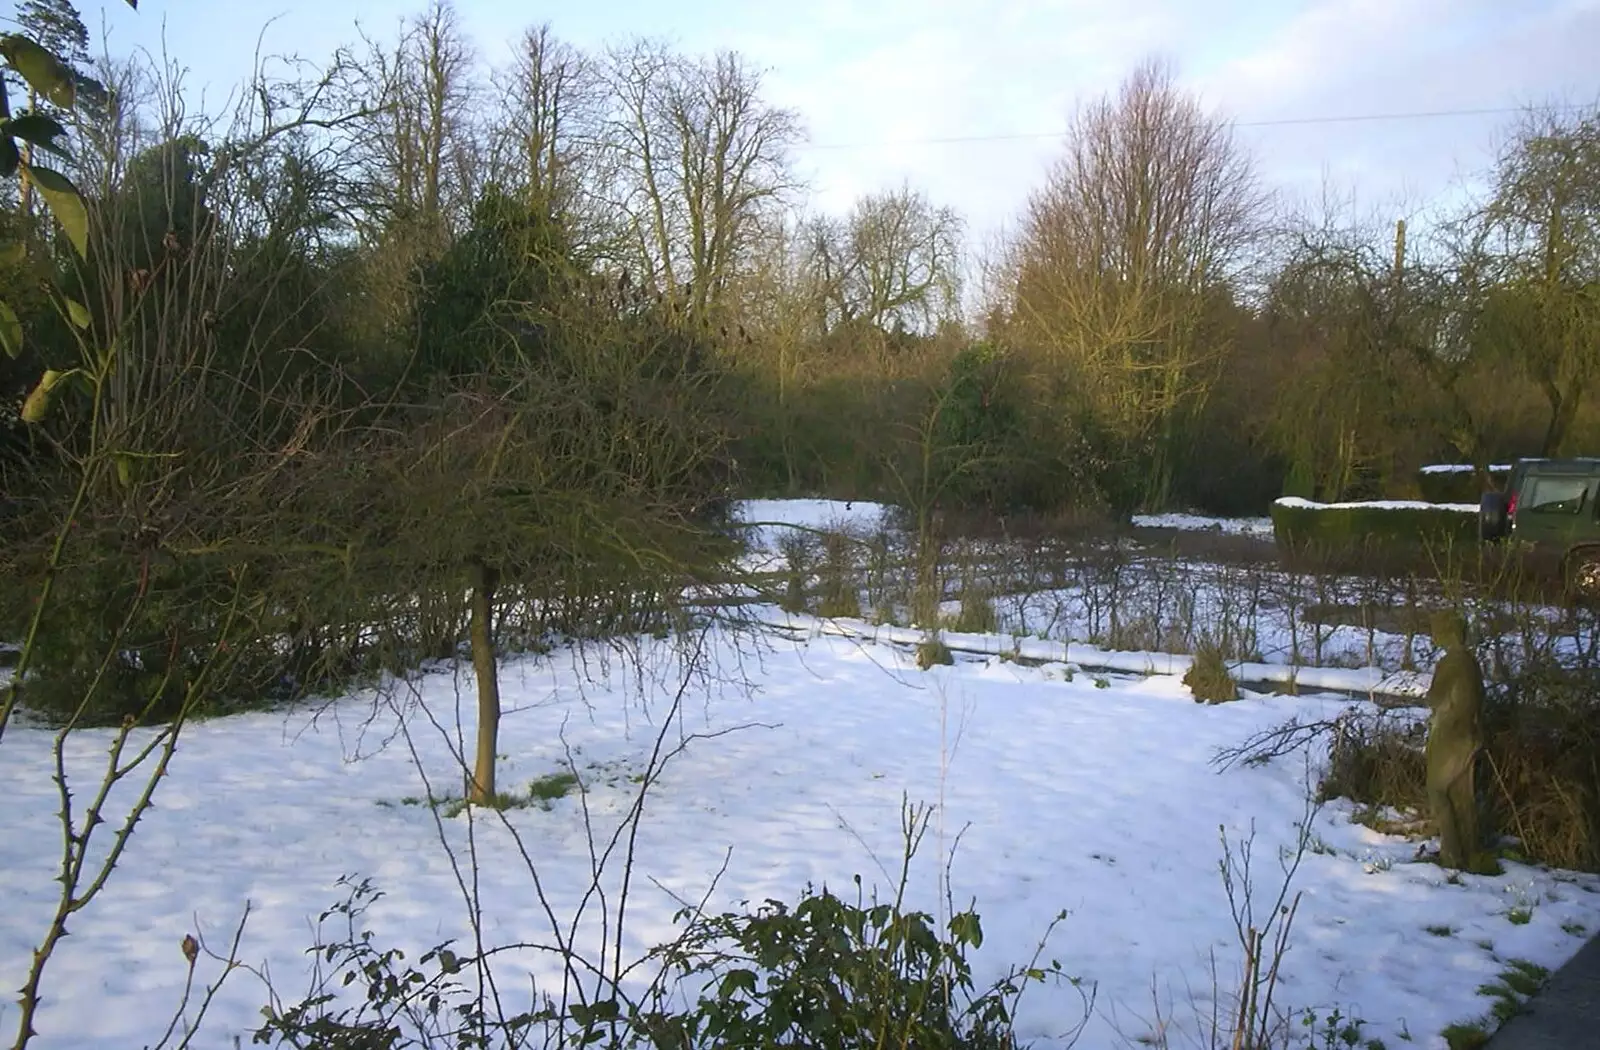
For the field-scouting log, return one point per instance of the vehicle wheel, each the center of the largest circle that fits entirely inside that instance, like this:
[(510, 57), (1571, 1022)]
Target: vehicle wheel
[(1582, 577), (1493, 521)]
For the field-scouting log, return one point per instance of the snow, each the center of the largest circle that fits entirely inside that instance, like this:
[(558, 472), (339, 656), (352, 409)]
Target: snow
[(1094, 796), (770, 519), (1461, 468), (1378, 504), (1371, 681), (1261, 527)]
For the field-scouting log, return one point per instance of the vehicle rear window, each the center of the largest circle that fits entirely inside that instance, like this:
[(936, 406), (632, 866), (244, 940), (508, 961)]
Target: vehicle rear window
[(1553, 495)]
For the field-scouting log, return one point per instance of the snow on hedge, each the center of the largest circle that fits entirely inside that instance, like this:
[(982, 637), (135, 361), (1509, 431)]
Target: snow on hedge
[(1376, 504), (1462, 468), (1201, 523)]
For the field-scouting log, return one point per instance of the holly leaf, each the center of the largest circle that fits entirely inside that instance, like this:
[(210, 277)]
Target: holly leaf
[(10, 157), (67, 206), (44, 72), (10, 330), (13, 253)]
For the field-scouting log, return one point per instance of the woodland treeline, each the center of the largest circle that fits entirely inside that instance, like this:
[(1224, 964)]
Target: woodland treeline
[(402, 321), (1158, 332)]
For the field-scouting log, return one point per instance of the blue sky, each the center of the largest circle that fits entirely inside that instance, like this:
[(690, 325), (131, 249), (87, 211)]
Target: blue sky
[(877, 78)]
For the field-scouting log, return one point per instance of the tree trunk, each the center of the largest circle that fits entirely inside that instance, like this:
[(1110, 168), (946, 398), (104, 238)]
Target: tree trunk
[(1563, 410), (480, 791)]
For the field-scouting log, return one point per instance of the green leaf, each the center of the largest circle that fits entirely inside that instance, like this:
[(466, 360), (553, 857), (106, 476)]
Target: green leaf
[(10, 158), (37, 129), (13, 253), (10, 330), (44, 72), (37, 405), (68, 207), (78, 314)]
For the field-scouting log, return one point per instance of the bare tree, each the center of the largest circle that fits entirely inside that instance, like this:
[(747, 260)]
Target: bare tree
[(697, 159), (544, 143), (891, 265), (1149, 215)]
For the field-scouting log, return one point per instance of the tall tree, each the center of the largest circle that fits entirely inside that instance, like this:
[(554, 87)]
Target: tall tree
[(1539, 242), (413, 156), (700, 161), (544, 143), (1123, 253)]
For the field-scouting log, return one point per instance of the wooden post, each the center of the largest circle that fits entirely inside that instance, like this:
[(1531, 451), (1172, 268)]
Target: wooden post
[(481, 788)]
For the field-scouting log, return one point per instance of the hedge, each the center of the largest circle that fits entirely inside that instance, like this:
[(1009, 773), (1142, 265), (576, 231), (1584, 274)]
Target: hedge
[(1299, 524), (1458, 482)]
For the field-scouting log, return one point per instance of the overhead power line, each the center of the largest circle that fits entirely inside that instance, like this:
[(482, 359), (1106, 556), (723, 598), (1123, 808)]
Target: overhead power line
[(1359, 118)]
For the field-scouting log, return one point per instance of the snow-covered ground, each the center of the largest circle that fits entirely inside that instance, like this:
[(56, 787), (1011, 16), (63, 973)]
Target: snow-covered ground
[(767, 518), (1092, 793), (1092, 796), (1258, 527)]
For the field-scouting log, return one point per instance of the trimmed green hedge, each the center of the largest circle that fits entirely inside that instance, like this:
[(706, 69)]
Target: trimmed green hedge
[(1301, 525), (1459, 484)]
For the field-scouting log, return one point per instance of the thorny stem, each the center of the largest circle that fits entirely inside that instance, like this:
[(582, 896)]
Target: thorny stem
[(75, 845)]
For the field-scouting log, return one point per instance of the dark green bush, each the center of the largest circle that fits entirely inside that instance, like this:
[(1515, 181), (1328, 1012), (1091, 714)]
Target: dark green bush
[(827, 973), (1302, 525)]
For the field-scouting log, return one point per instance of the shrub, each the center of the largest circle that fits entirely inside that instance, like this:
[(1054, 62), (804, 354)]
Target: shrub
[(1542, 731), (1378, 760), (798, 556), (826, 973), (829, 973), (839, 597), (1208, 678), (977, 614), (980, 431), (932, 652), (1300, 525)]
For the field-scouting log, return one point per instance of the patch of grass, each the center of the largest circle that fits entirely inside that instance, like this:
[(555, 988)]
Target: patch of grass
[(541, 792), (1440, 930), (500, 801), (1518, 982), (1576, 929), (1467, 1035), (1519, 916), (551, 786)]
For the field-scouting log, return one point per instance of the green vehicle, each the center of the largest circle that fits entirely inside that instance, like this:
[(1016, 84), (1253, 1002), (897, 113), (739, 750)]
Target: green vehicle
[(1551, 510)]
